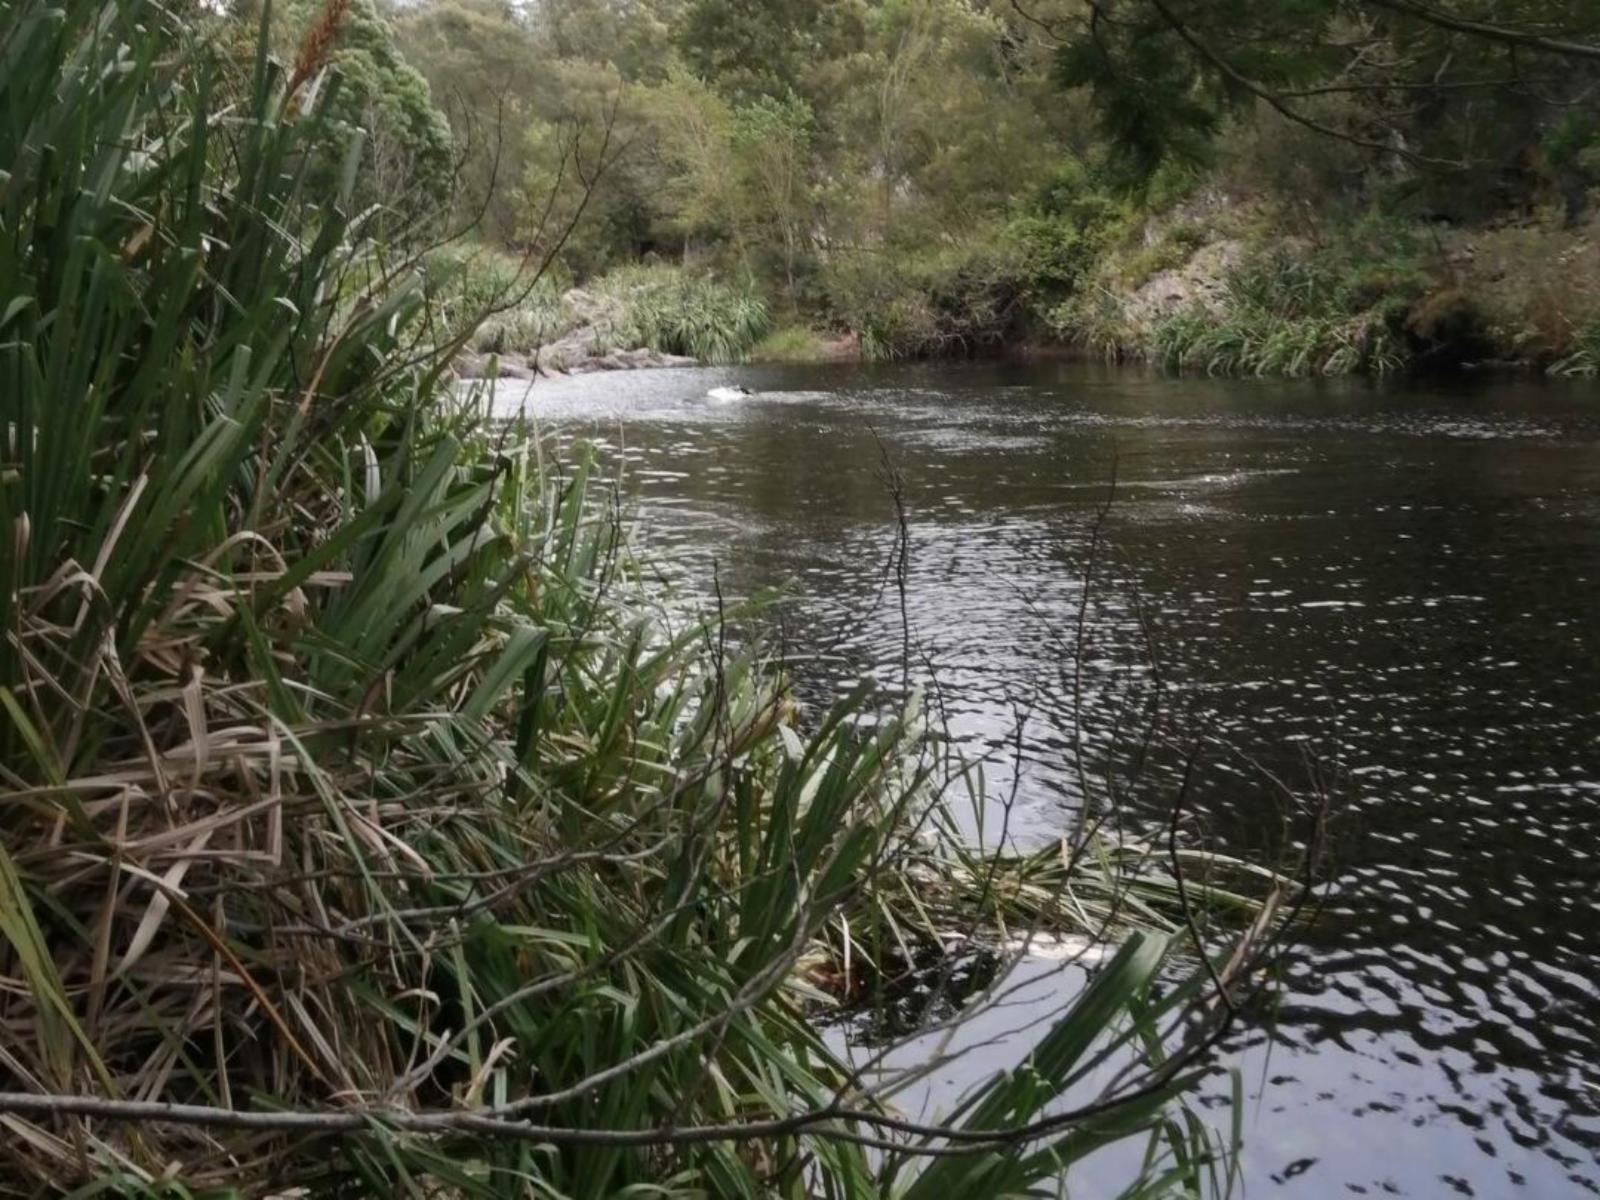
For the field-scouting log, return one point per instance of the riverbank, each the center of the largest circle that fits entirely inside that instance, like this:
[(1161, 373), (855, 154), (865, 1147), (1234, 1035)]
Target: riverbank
[(1213, 286), (1224, 287), (1218, 288)]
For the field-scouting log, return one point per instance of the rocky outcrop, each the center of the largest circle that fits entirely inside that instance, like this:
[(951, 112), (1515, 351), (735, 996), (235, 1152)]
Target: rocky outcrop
[(545, 364), (1201, 282), (586, 345)]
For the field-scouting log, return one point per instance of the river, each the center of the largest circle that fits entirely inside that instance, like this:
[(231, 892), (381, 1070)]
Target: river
[(1393, 591)]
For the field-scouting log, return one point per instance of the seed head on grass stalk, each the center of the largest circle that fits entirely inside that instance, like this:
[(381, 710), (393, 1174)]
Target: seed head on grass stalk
[(316, 47)]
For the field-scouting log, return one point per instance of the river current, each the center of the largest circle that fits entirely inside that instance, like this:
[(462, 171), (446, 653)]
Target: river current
[(1390, 593)]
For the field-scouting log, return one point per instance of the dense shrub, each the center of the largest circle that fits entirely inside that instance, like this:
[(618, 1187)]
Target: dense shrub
[(1334, 308), (490, 298), (959, 298), (682, 312), (1536, 284)]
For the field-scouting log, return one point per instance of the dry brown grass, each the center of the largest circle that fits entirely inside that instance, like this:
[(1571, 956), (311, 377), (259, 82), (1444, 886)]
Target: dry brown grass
[(1535, 285)]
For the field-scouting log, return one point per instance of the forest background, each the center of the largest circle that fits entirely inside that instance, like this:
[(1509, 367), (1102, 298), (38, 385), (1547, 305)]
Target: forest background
[(1318, 186)]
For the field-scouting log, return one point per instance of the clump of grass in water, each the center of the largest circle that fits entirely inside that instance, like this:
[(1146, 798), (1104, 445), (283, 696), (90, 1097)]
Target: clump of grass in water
[(358, 802), (789, 344)]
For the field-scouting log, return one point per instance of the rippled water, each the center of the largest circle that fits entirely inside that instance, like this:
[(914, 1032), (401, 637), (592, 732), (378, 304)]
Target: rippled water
[(1398, 586)]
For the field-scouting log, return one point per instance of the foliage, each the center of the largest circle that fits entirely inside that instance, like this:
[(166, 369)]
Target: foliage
[(409, 145), (1536, 285), (943, 175), (1254, 341), (700, 195), (1584, 359), (1330, 310), (681, 313), (756, 49), (1429, 86), (496, 302), (962, 297), (476, 56), (492, 299), (771, 139), (634, 36), (790, 344), (578, 179)]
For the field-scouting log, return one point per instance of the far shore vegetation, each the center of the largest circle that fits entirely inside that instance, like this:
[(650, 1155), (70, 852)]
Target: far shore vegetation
[(1336, 187)]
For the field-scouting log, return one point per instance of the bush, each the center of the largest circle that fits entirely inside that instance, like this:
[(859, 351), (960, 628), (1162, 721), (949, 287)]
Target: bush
[(678, 312), (1334, 309), (490, 298), (959, 298), (884, 297), (1049, 256), (790, 344), (1537, 285), (1583, 360)]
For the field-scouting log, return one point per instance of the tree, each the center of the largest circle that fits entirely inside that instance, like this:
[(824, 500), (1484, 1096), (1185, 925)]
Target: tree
[(635, 37), (408, 152), (478, 57), (759, 48), (953, 131), (583, 153), (1469, 92), (772, 139), (693, 130)]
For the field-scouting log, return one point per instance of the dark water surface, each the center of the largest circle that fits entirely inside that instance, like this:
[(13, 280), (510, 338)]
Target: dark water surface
[(1399, 585)]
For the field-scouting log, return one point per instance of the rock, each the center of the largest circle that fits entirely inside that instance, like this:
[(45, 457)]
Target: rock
[(469, 365), (1201, 281), (589, 346)]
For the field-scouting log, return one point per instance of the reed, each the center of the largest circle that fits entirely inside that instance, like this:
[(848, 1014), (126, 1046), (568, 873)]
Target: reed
[(1582, 360), (677, 312), (1281, 316)]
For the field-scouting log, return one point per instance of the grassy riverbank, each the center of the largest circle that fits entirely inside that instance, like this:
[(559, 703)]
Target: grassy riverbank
[(1209, 288), (370, 824), (925, 178)]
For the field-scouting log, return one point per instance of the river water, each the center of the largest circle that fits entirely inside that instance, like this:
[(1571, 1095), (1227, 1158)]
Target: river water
[(1390, 593)]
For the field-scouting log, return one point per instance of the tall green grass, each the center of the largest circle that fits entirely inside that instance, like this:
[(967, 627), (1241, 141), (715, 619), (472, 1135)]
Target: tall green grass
[(1582, 361), (492, 299), (678, 312), (1258, 342), (1288, 315), (358, 797), (791, 344)]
